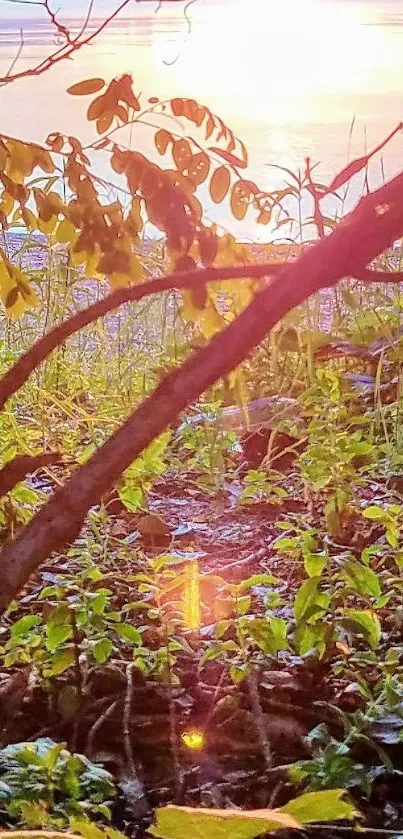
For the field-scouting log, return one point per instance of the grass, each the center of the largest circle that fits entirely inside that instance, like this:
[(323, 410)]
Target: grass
[(256, 617)]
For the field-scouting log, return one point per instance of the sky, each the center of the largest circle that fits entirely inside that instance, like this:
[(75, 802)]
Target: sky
[(288, 76), (28, 9), (11, 9)]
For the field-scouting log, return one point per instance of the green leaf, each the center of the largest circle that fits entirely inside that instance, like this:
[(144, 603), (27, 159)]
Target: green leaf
[(182, 822), (61, 661), (102, 650), (315, 563), (24, 625), (270, 634), (237, 673), (375, 513), (321, 806), (256, 580), (368, 622), (361, 578), (98, 604), (305, 598), (309, 638), (57, 635), (128, 633), (87, 828)]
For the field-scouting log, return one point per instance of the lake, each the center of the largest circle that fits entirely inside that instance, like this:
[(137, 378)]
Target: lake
[(288, 76)]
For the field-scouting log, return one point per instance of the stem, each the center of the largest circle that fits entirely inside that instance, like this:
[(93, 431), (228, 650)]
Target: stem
[(251, 681)]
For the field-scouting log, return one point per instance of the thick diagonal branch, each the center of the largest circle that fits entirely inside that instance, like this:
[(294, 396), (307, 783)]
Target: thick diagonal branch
[(371, 228)]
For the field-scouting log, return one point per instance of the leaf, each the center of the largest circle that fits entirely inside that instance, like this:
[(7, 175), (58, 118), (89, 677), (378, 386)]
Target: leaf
[(23, 625), (182, 822), (102, 650), (105, 122), (357, 165), (199, 168), (128, 633), (256, 580), (97, 108), (57, 635), (322, 806), (239, 201), (66, 232), (61, 661), (181, 154), (86, 88), (178, 107), (315, 563), (162, 140), (219, 184), (375, 513), (264, 216), (361, 578), (305, 598), (368, 622), (270, 634)]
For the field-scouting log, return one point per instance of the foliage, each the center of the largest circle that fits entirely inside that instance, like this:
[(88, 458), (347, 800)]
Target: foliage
[(177, 822), (41, 783), (330, 607)]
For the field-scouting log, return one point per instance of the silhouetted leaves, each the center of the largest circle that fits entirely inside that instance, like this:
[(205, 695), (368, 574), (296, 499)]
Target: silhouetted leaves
[(219, 184), (87, 87)]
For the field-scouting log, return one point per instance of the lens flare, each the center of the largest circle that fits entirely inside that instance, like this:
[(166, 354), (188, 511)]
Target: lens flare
[(192, 610), (193, 740)]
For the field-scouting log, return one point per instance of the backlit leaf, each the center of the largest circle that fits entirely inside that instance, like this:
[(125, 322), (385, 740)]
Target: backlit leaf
[(182, 822), (321, 806), (86, 88), (368, 622), (181, 154), (162, 140), (219, 184), (305, 598), (198, 168)]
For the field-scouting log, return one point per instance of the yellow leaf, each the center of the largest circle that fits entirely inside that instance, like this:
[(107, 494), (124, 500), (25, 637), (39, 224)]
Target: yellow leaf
[(91, 267), (211, 322), (7, 203), (20, 160), (118, 280), (66, 232), (47, 227), (15, 291)]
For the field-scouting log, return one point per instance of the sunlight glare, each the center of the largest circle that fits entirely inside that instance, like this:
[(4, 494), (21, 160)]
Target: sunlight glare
[(277, 57)]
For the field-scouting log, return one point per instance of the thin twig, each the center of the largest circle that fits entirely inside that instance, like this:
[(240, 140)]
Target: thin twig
[(126, 721), (89, 746), (17, 55), (69, 48), (252, 685)]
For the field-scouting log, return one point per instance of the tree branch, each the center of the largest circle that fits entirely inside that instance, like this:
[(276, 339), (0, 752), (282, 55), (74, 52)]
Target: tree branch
[(373, 226), (19, 372), (71, 45)]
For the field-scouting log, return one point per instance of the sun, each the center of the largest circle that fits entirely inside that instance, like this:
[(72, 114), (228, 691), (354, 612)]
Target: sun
[(276, 58)]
